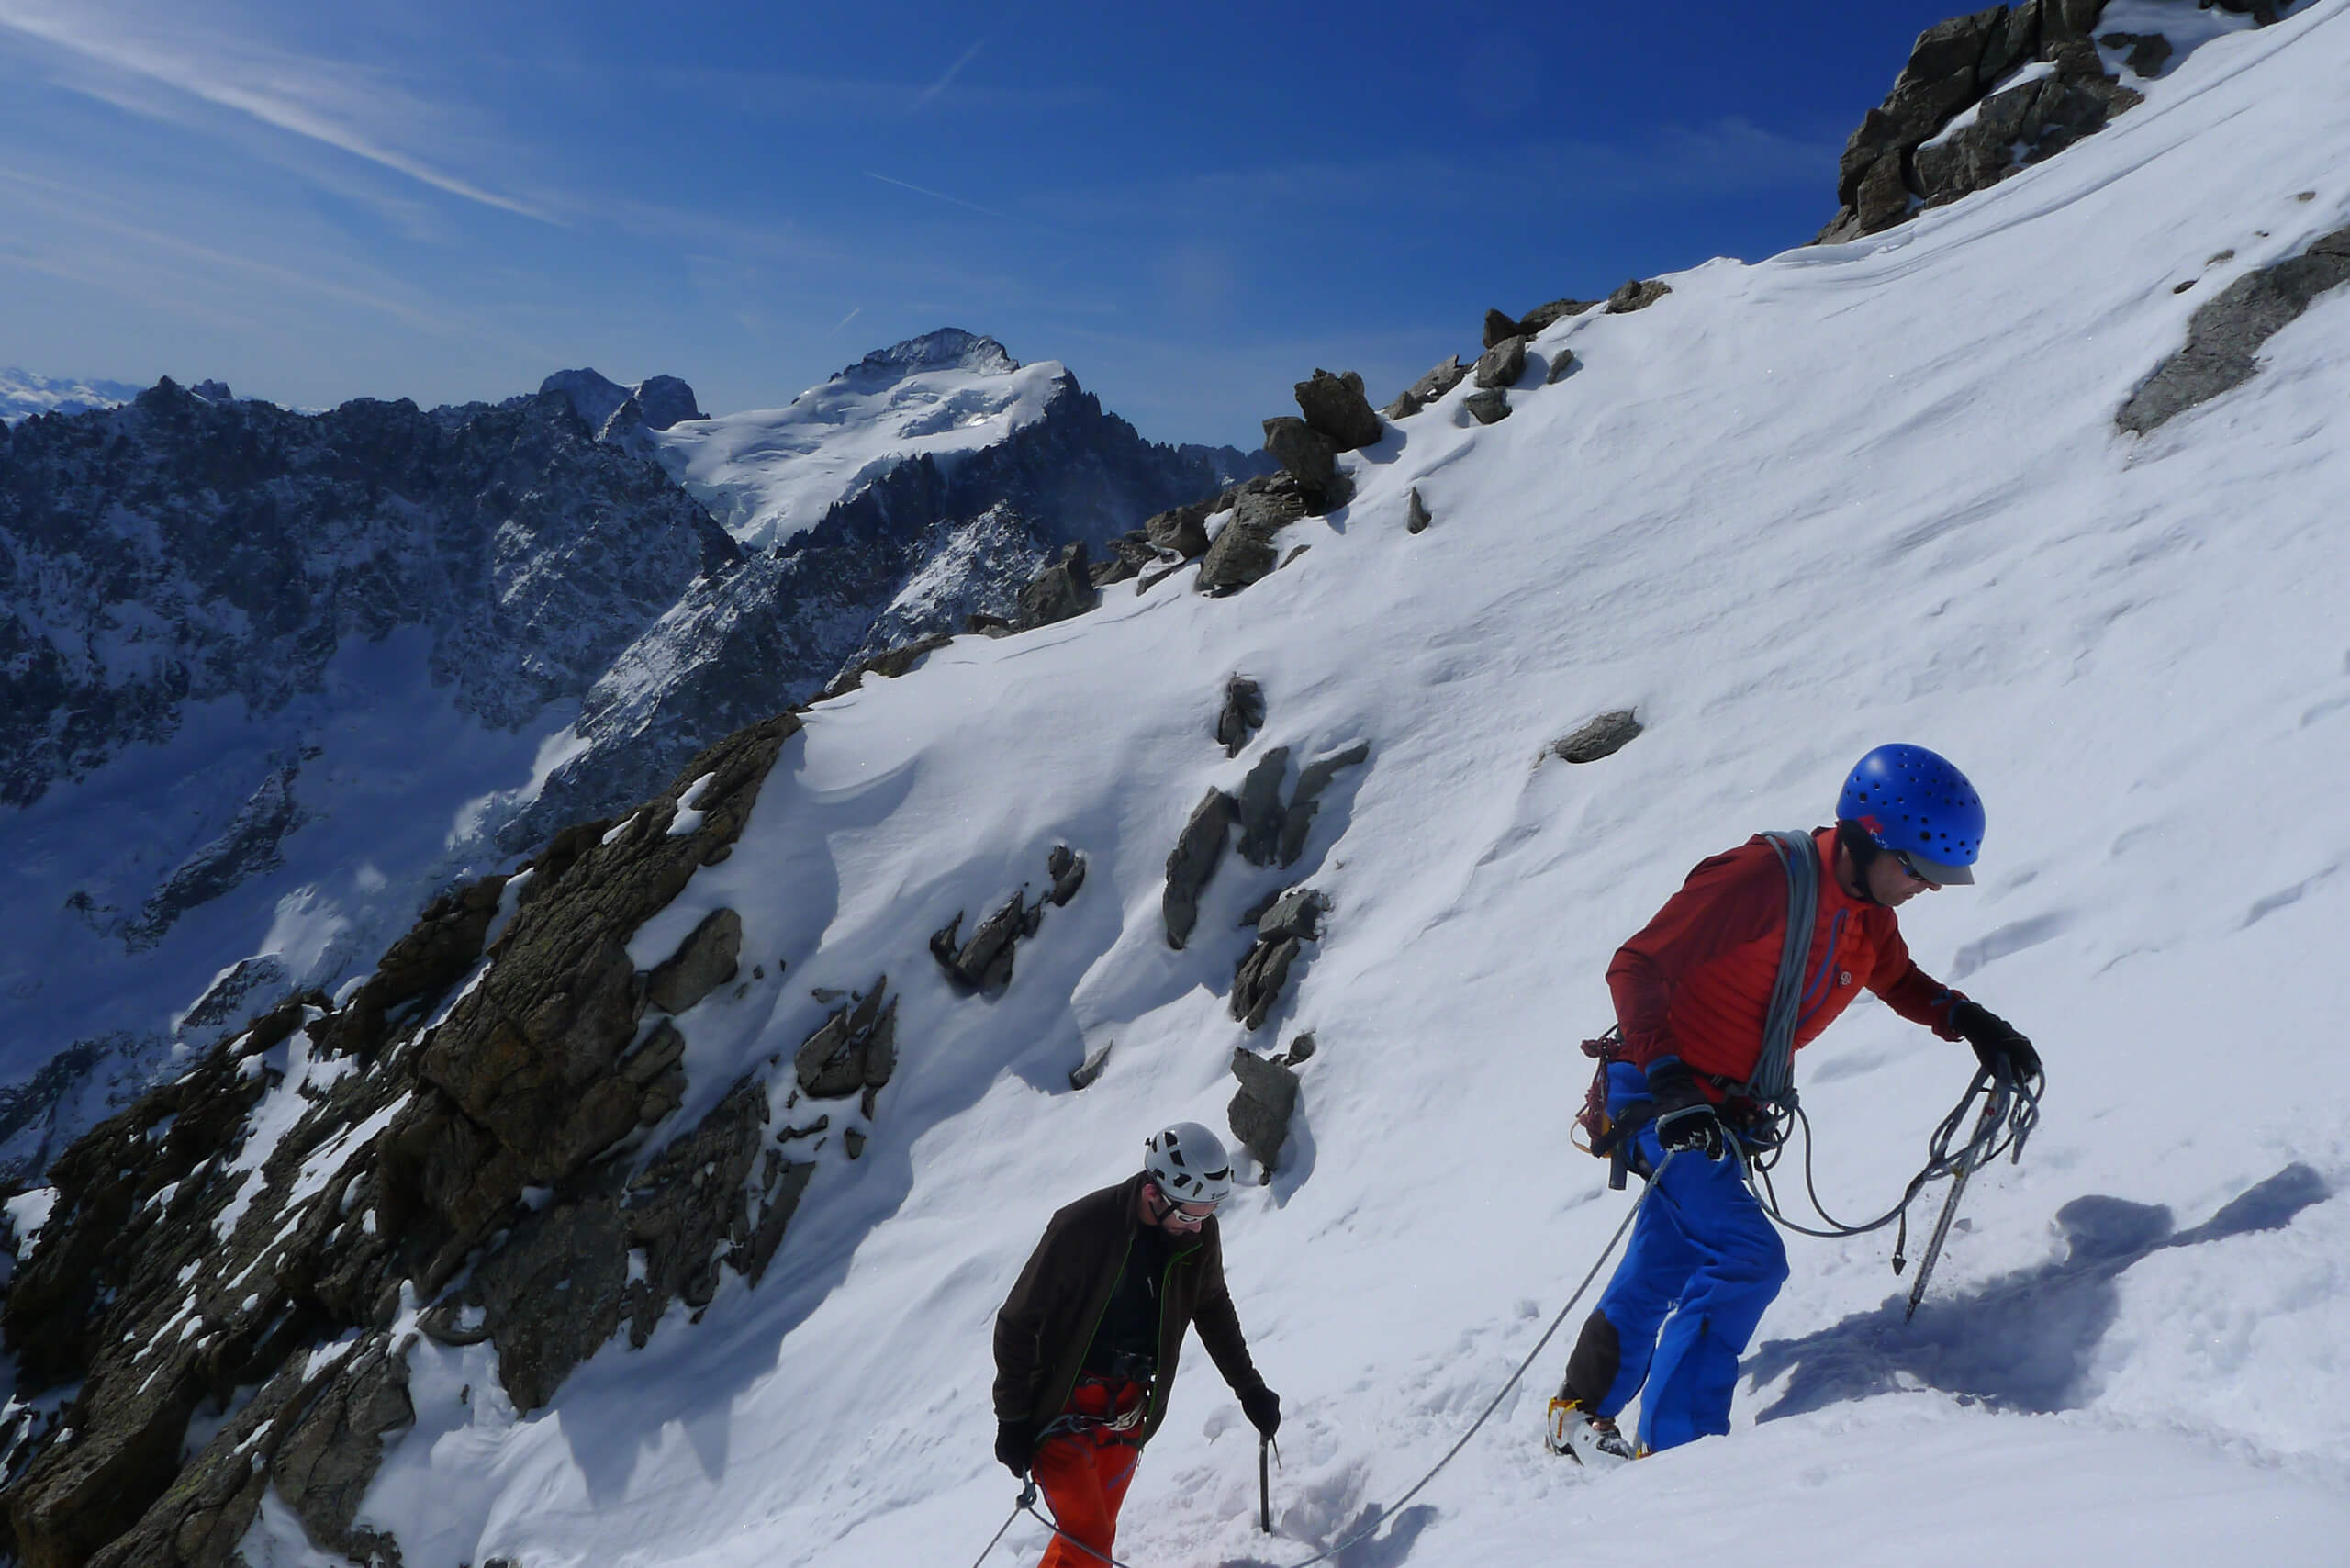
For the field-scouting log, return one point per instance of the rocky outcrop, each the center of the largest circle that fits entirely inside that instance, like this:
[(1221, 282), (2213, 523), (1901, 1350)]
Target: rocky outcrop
[(984, 963), (1261, 1113), (1602, 737), (853, 1051), (708, 959), (1198, 851), (1242, 715), (1291, 919), (1637, 294), (1501, 365), (459, 1106), (2224, 336), (1305, 454), (1334, 406), (1488, 406), (1415, 512), (1985, 94), (1427, 388), (1245, 549), (1062, 591)]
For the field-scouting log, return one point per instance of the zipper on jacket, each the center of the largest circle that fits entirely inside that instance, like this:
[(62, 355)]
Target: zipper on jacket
[(1158, 1396)]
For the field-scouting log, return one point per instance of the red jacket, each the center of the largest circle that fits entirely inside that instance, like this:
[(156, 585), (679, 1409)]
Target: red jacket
[(1696, 981)]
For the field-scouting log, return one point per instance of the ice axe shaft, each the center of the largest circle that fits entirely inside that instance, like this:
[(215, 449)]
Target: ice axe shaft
[(1994, 1109), (1264, 1486)]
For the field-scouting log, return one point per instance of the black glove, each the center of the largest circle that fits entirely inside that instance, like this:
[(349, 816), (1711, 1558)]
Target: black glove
[(1263, 1409), (1015, 1444), (1685, 1120), (1997, 1044)]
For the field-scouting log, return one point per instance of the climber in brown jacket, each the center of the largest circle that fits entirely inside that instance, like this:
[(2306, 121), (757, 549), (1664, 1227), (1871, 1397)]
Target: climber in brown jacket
[(1086, 1345)]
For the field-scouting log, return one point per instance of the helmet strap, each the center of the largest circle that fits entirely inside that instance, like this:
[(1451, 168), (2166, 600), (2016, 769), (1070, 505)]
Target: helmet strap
[(1855, 840)]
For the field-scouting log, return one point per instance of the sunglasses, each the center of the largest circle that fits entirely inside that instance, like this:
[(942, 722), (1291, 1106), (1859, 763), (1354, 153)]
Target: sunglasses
[(1901, 858), (1195, 1213)]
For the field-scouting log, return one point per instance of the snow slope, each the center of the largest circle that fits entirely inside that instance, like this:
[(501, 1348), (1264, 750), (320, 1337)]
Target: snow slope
[(1839, 497), (769, 474)]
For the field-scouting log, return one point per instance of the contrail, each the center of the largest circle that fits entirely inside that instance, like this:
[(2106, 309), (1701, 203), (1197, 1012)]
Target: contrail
[(940, 86), (936, 196)]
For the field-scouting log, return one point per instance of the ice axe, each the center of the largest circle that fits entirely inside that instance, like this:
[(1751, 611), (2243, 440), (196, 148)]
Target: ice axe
[(1264, 1486), (1976, 1152)]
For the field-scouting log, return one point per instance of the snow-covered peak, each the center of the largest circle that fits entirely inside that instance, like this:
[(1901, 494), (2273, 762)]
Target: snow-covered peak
[(771, 474), (949, 348), (23, 394)]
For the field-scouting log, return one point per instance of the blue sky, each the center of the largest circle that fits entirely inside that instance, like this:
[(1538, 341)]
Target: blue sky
[(1191, 206)]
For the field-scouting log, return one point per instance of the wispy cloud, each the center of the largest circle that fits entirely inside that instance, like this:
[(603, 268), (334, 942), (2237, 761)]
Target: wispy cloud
[(936, 196), (941, 85), (321, 100)]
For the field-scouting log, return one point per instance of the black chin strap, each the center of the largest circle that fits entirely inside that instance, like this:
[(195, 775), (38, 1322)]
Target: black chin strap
[(1855, 840)]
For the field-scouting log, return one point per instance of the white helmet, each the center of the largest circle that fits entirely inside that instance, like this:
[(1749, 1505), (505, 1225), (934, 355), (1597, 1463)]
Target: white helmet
[(1189, 1164)]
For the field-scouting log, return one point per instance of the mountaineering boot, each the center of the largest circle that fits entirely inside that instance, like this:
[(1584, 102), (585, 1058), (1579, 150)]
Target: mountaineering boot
[(1589, 1441)]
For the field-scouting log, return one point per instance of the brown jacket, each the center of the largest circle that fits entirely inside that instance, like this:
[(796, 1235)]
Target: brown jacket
[(1048, 1322)]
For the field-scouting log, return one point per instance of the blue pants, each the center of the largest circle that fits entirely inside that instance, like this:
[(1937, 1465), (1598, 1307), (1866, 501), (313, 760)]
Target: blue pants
[(1703, 1264)]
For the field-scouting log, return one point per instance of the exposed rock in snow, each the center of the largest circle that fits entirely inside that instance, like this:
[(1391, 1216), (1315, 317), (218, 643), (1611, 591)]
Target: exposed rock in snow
[(1602, 737), (1335, 406), (1242, 716), (2224, 339)]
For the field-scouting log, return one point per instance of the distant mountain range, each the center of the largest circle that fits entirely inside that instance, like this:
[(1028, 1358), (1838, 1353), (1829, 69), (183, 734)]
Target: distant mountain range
[(23, 394), (277, 678)]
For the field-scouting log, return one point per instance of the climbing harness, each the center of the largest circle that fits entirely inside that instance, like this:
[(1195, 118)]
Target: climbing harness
[(1028, 1494)]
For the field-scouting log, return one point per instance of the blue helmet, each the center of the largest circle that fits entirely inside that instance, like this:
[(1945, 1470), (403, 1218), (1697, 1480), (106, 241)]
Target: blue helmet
[(1912, 800)]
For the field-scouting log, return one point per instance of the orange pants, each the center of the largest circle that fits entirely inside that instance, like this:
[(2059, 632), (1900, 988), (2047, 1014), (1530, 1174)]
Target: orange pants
[(1084, 1474)]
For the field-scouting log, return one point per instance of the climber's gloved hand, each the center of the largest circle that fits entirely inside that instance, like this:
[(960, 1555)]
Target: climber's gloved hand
[(1015, 1445), (1685, 1120), (1263, 1409), (1998, 1045)]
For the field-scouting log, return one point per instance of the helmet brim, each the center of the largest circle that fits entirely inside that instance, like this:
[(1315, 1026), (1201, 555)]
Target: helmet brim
[(1942, 876)]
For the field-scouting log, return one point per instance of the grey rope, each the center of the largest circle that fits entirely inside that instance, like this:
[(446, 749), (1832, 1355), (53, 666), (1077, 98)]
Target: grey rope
[(1773, 1081)]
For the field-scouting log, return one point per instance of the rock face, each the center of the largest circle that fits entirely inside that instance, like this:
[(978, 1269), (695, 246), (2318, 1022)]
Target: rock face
[(706, 959), (1307, 455), (1637, 294), (853, 1051), (1983, 95), (1062, 591), (1261, 1113), (2224, 336), (1197, 853), (1427, 388), (253, 1226), (1242, 716), (1334, 404), (526, 564), (1500, 367), (1602, 737), (1293, 919), (1244, 550)]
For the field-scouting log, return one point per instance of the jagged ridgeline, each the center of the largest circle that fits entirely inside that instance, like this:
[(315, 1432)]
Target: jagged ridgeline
[(352, 658)]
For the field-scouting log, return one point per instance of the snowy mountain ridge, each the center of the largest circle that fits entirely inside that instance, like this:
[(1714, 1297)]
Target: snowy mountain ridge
[(653, 1206), (297, 672)]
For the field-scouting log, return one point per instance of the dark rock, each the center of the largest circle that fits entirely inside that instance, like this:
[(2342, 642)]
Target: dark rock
[(852, 1142), (1487, 407), (856, 1048), (984, 963), (1335, 406), (1637, 294), (1561, 366), (1257, 984), (1427, 388), (1242, 716), (1083, 1075), (1296, 552), (1532, 323), (1603, 736), (2224, 336), (1066, 868), (1260, 808), (709, 957), (1500, 327), (1197, 853), (1058, 592), (2149, 52), (1131, 554), (1244, 550), (1306, 452), (1300, 1050), (1259, 1114), (213, 392), (1416, 511), (1501, 365), (890, 665), (1296, 911), (1306, 799), (1183, 528), (667, 401)]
